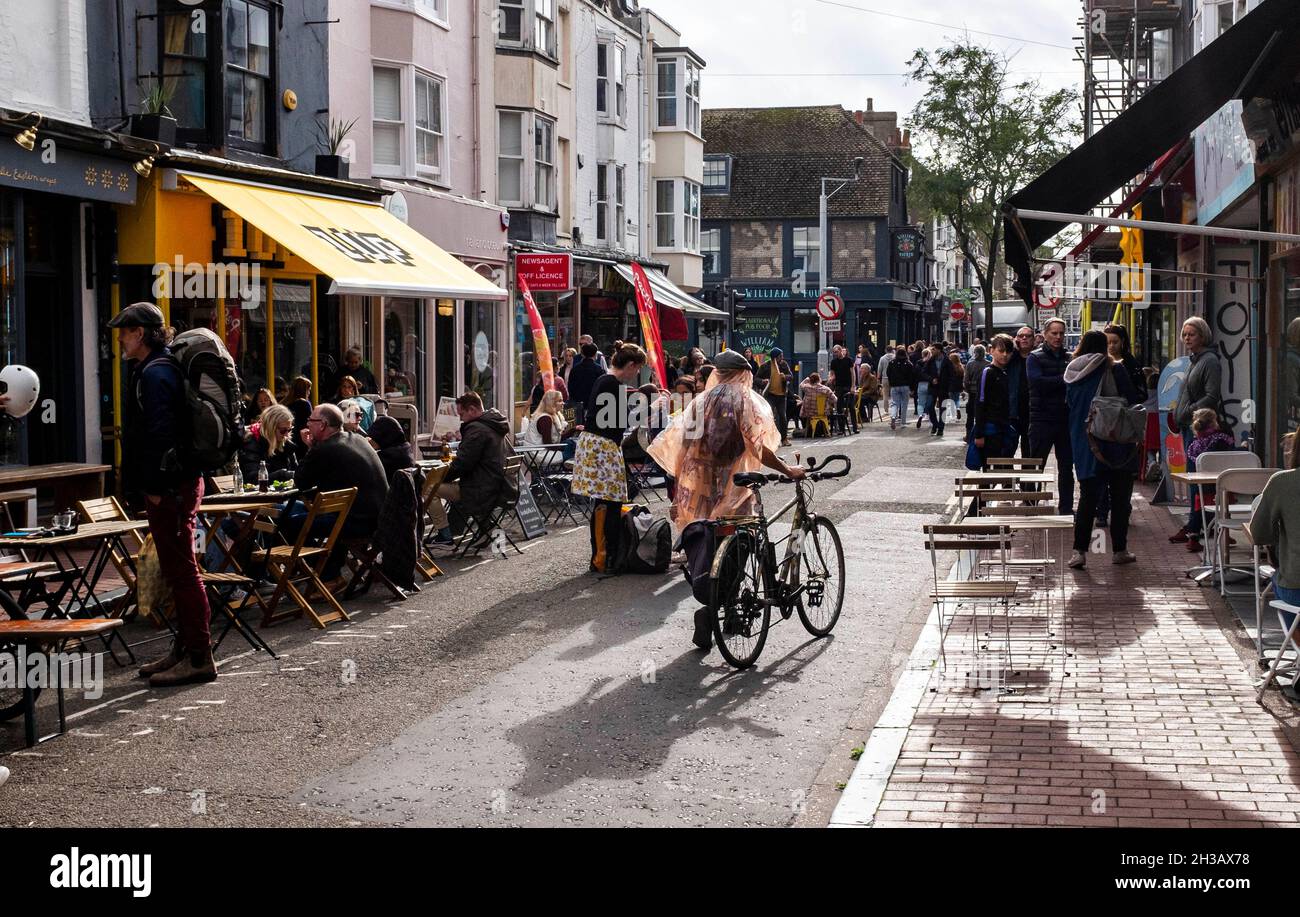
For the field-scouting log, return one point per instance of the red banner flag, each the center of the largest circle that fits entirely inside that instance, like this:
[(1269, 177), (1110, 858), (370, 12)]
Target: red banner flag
[(645, 307), (541, 345)]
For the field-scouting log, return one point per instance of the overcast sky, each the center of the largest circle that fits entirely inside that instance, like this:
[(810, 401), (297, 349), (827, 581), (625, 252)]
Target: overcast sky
[(777, 52)]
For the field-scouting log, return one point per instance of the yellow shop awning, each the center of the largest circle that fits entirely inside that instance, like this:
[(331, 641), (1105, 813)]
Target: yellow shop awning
[(365, 249)]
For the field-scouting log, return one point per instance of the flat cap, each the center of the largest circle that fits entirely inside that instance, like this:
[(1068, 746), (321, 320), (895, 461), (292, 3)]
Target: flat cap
[(138, 315)]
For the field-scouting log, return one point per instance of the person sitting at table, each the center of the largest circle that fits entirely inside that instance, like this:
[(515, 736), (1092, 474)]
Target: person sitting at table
[(390, 441), (1206, 437), (336, 460), (347, 388), (269, 440), (1276, 524), (809, 389), (476, 481), (298, 401), (547, 425), (254, 405)]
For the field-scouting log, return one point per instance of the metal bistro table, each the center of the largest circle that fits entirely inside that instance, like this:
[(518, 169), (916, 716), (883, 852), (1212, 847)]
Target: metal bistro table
[(1201, 479), (81, 580), (540, 462)]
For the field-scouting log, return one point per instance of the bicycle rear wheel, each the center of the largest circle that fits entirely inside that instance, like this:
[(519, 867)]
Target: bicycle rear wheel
[(741, 613), (821, 572)]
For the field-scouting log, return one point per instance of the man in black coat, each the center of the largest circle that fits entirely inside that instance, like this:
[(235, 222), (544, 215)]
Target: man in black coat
[(582, 377), (154, 427), (476, 479), (337, 460)]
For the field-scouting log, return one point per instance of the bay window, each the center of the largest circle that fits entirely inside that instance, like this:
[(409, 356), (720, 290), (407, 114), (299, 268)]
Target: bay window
[(620, 208), (527, 24), (677, 93), (677, 214)]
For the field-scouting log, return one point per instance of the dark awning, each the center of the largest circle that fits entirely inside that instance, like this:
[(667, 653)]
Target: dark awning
[(1256, 57)]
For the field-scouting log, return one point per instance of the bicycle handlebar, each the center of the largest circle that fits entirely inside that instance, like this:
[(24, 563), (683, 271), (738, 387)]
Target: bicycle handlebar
[(814, 473)]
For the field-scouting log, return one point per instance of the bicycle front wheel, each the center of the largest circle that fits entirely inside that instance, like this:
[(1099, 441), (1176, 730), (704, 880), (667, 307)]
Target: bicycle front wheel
[(741, 613), (821, 572)]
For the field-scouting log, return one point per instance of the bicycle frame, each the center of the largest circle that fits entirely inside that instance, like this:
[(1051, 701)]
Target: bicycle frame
[(776, 576)]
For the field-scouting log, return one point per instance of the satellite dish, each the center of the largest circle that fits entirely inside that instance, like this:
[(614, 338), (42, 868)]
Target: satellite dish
[(23, 388)]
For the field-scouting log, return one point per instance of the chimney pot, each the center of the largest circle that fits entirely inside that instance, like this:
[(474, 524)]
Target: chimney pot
[(871, 104), (857, 116)]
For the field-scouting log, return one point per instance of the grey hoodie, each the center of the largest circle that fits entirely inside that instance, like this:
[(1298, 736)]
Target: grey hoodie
[(1083, 366)]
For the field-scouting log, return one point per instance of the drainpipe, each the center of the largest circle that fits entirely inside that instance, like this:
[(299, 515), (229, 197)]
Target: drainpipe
[(474, 102)]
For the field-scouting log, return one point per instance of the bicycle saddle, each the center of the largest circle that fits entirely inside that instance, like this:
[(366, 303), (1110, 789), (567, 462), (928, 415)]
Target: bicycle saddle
[(749, 478)]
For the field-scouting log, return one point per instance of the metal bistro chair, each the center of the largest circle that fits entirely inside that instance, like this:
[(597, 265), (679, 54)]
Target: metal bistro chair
[(819, 416), (992, 593), (1288, 616), (478, 531), (1230, 517)]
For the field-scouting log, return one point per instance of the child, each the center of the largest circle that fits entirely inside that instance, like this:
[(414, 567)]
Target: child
[(1207, 438)]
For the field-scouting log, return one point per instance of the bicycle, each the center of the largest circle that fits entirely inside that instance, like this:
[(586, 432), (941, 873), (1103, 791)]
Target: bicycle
[(747, 581)]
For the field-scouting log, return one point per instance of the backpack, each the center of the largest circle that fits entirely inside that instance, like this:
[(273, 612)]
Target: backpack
[(212, 395), (647, 542), (1111, 420)]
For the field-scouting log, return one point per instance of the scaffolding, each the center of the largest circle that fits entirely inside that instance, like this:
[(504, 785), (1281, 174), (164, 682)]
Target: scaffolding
[(1126, 47)]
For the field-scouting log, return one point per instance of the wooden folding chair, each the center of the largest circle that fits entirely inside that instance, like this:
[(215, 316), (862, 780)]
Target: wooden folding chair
[(108, 509), (302, 563), (432, 479), (221, 588), (477, 528)]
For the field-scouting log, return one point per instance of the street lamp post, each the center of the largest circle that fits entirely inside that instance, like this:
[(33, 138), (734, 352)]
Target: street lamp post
[(823, 258)]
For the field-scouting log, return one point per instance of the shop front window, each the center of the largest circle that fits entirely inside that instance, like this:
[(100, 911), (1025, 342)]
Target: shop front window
[(291, 320), (482, 349), (403, 351), (246, 338), (805, 331)]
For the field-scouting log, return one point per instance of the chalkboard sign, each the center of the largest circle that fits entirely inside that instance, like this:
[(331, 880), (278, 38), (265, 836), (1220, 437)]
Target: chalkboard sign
[(530, 517)]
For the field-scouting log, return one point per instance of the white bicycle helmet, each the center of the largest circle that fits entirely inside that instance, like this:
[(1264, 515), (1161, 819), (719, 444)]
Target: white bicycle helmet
[(22, 386)]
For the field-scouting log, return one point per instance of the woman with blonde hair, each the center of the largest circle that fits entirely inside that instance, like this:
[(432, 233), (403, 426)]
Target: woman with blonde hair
[(546, 425), (269, 439), (1203, 387)]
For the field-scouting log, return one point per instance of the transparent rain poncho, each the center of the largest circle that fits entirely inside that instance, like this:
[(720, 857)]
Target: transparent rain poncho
[(720, 433)]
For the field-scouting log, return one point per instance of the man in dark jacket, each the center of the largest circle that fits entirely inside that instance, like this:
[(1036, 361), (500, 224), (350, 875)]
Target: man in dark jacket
[(337, 460), (1048, 426), (476, 479), (154, 424), (582, 377), (971, 383)]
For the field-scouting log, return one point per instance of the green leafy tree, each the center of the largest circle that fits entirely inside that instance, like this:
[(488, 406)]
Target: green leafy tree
[(978, 137)]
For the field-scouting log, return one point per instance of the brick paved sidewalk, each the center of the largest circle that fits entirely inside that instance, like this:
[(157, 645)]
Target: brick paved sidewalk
[(1157, 724)]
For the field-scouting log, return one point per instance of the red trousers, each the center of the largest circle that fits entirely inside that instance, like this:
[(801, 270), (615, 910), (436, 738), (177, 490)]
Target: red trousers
[(171, 523)]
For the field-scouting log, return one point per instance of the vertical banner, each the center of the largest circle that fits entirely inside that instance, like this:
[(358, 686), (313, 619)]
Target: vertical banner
[(645, 307), (541, 346)]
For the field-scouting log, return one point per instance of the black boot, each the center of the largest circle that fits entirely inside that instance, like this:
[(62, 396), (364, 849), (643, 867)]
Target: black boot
[(703, 629)]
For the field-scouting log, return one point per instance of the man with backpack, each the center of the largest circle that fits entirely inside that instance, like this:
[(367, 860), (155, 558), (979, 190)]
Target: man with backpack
[(155, 424)]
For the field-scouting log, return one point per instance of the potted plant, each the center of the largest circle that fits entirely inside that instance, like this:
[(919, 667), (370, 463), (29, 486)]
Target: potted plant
[(155, 121), (330, 164)]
